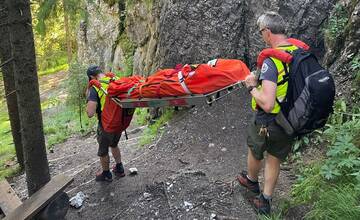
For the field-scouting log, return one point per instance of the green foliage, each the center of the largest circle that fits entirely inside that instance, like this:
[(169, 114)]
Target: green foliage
[(51, 61), (111, 2), (7, 149), (8, 171), (131, 3), (337, 203), (129, 50), (355, 67), (343, 155), (46, 8), (142, 116), (51, 9), (273, 216), (56, 69), (64, 120), (150, 133), (64, 123), (50, 38), (332, 184), (302, 142), (76, 84), (149, 4), (51, 47), (337, 22), (119, 72), (309, 185)]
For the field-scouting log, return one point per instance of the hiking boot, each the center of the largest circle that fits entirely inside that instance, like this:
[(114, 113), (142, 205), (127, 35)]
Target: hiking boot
[(261, 205), (250, 185), (118, 170), (103, 176)]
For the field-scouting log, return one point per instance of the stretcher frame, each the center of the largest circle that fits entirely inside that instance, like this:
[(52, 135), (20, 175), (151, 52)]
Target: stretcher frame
[(188, 100)]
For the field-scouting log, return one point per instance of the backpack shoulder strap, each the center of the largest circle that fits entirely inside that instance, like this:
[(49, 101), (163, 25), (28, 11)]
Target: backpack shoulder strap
[(300, 55), (275, 53), (298, 43), (284, 56)]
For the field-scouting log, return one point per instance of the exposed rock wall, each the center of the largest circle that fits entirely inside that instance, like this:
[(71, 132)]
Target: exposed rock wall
[(343, 51), (196, 31), (167, 32), (97, 35), (142, 25)]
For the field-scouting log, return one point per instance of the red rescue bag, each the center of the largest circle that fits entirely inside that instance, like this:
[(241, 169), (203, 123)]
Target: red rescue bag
[(181, 81), (115, 119)]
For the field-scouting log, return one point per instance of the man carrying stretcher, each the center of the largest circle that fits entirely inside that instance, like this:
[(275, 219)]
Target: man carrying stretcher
[(96, 99), (106, 92), (264, 134)]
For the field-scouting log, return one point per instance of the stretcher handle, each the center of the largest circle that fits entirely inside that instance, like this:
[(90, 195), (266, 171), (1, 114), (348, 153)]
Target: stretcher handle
[(215, 96), (116, 100)]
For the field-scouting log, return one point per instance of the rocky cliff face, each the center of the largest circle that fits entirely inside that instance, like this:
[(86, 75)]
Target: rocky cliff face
[(98, 35), (162, 33), (343, 43)]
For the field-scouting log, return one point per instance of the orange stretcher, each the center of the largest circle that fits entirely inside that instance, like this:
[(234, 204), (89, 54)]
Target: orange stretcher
[(186, 85), (188, 100)]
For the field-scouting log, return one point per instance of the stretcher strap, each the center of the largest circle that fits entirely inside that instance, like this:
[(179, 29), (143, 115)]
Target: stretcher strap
[(131, 89), (140, 90), (182, 83)]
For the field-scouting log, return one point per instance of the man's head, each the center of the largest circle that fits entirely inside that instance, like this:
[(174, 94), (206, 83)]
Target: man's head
[(271, 23), (93, 71)]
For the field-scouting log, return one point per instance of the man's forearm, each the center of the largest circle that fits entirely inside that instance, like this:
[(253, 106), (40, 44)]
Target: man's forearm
[(262, 100)]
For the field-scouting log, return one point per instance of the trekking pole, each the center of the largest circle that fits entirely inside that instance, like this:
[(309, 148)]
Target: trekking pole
[(126, 136), (80, 109)]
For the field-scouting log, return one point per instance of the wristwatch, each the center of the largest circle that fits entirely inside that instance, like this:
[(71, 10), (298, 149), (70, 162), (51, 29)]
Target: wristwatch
[(250, 88)]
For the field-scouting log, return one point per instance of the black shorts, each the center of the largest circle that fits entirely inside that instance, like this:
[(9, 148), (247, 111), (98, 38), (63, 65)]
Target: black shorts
[(278, 144), (106, 140)]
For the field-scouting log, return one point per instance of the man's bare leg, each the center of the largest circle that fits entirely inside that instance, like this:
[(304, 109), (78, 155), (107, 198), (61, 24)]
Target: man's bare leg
[(271, 173), (116, 154), (254, 166), (105, 162)]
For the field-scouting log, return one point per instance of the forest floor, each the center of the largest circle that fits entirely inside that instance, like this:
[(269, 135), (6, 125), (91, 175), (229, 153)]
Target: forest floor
[(187, 173)]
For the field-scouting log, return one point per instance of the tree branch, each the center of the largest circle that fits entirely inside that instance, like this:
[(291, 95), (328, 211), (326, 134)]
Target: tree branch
[(6, 62)]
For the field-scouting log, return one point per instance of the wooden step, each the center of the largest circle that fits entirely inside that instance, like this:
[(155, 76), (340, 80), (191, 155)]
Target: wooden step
[(9, 201), (30, 207)]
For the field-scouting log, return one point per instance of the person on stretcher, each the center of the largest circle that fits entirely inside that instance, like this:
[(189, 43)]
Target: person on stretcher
[(181, 81)]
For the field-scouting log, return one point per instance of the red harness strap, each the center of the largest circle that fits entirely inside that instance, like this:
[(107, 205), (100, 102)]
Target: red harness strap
[(279, 54)]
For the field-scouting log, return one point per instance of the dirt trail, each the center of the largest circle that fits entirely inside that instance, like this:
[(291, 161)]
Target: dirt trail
[(187, 173), (49, 85)]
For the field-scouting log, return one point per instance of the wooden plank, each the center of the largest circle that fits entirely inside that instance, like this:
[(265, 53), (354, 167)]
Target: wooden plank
[(30, 207), (9, 201)]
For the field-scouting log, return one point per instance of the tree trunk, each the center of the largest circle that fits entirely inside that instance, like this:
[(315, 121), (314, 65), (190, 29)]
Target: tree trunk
[(67, 32), (27, 89), (9, 84)]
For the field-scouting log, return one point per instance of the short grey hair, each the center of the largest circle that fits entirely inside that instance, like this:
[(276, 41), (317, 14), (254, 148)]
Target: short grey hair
[(273, 21)]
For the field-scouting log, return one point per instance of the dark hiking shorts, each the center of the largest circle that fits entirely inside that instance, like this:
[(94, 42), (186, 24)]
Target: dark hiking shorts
[(106, 140), (278, 144)]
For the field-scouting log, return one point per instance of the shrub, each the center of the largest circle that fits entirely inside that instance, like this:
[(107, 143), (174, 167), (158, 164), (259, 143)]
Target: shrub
[(76, 84), (337, 22), (332, 185), (337, 203), (157, 127)]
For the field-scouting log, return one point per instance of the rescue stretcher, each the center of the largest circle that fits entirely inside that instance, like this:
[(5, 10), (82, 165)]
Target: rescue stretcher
[(188, 100), (183, 86)]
